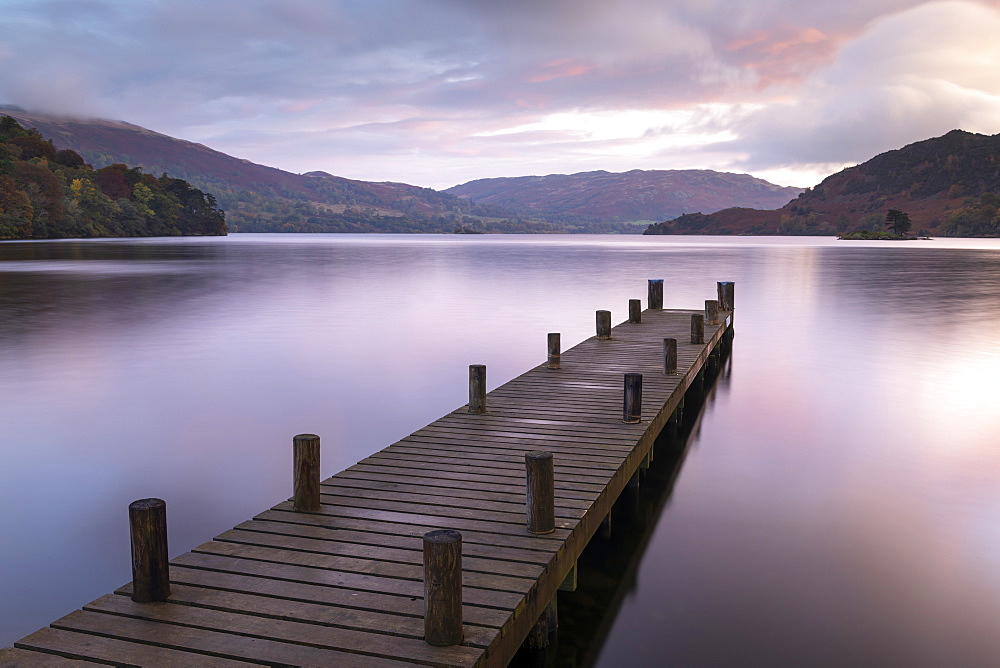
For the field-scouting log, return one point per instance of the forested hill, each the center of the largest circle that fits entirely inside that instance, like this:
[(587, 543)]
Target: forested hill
[(50, 193), (949, 186), (258, 198)]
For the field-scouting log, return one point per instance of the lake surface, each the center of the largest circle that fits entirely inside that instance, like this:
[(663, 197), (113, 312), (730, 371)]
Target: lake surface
[(839, 502)]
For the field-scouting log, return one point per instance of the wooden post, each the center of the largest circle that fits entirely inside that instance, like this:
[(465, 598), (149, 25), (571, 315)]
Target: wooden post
[(443, 587), (541, 493), (727, 293), (654, 299), (635, 310), (604, 325), (606, 526), (545, 630), (698, 384), (712, 311), (477, 388), (697, 328), (712, 363), (670, 356), (305, 459), (569, 582), (555, 354), (632, 405), (147, 519)]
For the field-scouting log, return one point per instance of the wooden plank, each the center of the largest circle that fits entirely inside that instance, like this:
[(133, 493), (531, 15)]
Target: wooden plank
[(370, 648), (415, 478), (279, 587), (80, 648), (508, 451), (363, 486), (12, 657), (351, 565), (411, 627), (331, 515), (441, 521), (212, 643), (565, 487), (424, 496), (568, 480), (375, 553), (508, 465), (514, 518), (275, 522)]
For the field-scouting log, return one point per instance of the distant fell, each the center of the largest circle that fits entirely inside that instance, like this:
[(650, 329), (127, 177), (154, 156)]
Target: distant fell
[(637, 195), (949, 186)]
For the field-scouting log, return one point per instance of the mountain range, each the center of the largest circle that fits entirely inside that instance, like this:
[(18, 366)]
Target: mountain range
[(257, 198), (949, 186)]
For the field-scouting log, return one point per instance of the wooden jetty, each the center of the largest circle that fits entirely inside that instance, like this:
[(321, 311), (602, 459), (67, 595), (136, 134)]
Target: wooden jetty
[(342, 583)]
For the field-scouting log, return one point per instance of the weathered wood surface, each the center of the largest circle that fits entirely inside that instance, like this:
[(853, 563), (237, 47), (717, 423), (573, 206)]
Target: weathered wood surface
[(344, 585)]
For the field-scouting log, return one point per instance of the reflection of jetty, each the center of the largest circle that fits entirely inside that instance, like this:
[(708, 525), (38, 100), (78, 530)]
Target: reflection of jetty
[(344, 579)]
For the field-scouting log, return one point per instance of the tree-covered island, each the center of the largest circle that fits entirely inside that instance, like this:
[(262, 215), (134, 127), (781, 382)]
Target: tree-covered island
[(53, 194)]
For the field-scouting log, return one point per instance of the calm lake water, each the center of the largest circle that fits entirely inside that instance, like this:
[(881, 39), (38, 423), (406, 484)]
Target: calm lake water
[(839, 503)]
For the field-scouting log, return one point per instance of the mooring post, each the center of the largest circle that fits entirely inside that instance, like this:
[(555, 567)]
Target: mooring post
[(632, 405), (147, 519), (555, 353), (698, 384), (606, 525), (727, 294), (541, 493), (654, 298), (635, 310), (697, 328), (712, 363), (443, 587), (305, 466), (670, 356), (712, 311), (604, 325), (546, 629), (477, 388), (569, 582)]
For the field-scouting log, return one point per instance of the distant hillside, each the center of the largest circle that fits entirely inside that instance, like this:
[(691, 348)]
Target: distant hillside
[(257, 198), (949, 186), (47, 193), (637, 195)]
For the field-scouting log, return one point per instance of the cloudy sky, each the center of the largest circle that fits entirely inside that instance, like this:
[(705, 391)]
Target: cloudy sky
[(439, 92)]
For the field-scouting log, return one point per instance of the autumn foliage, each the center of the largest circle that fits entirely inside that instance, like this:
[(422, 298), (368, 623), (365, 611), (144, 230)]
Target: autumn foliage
[(45, 193)]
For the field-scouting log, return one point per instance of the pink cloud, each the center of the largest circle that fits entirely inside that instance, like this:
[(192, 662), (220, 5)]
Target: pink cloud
[(558, 69), (785, 54)]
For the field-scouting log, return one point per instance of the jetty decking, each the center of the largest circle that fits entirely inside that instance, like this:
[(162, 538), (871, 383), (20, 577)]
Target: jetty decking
[(343, 586)]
